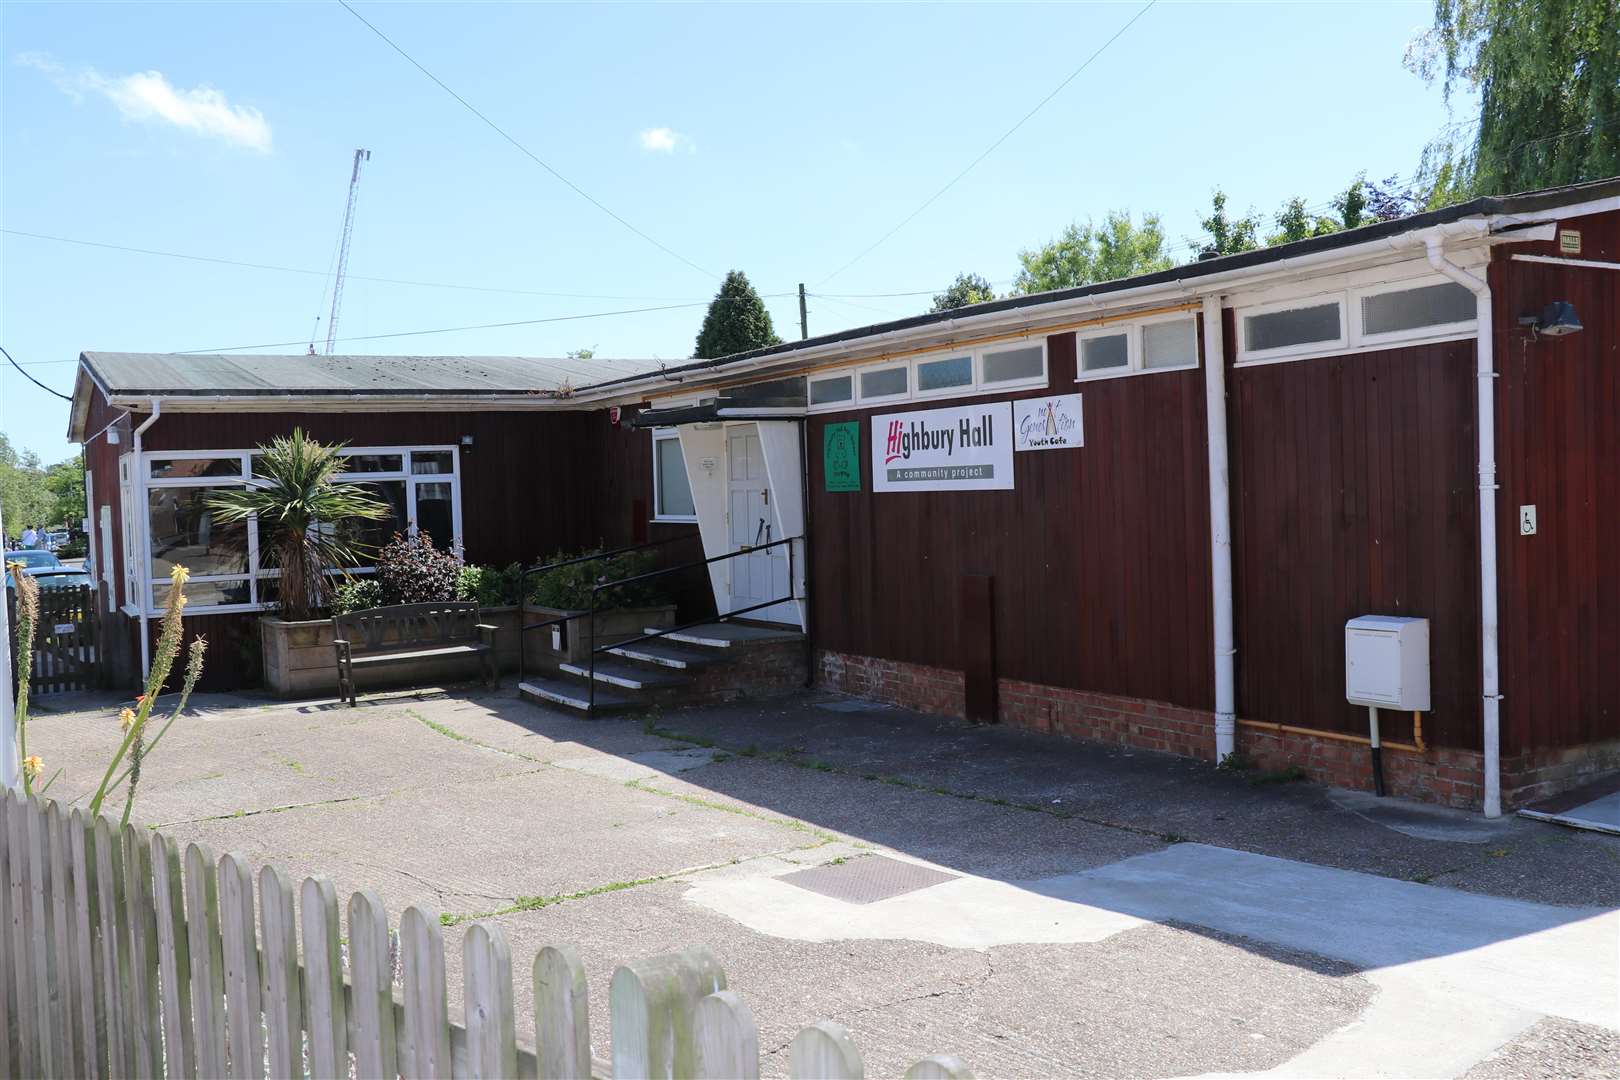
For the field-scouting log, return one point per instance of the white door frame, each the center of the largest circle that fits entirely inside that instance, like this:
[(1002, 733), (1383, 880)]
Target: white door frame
[(778, 556)]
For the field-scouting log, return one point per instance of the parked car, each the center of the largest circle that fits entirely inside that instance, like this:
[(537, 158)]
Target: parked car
[(57, 539), (59, 577), (32, 559)]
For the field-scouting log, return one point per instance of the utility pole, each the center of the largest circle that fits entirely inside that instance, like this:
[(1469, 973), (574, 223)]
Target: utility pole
[(804, 319)]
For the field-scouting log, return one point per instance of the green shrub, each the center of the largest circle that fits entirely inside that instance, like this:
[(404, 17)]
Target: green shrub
[(569, 587), (412, 571), (491, 586), (357, 594)]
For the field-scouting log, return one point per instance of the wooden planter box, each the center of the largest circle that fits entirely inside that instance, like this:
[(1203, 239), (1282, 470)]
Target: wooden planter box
[(299, 660), (573, 641)]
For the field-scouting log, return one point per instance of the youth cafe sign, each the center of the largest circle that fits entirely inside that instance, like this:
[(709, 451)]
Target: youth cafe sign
[(969, 448)]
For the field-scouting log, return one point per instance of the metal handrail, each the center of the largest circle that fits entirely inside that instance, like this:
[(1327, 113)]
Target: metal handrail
[(746, 549), (523, 588)]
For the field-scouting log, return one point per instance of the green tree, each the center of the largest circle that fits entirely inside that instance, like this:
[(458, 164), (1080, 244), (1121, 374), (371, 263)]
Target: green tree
[(966, 289), (65, 482), (1085, 254), (736, 321), (23, 492), (1547, 73), (304, 516), (1226, 235), (1295, 222)]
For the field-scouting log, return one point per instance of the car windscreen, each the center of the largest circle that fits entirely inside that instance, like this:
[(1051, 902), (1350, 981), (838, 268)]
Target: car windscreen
[(32, 558)]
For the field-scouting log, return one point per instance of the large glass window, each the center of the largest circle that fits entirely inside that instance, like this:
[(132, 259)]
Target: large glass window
[(184, 532), (421, 488), (672, 491)]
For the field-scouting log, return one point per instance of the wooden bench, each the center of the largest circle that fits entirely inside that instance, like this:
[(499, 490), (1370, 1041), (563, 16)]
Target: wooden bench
[(391, 635)]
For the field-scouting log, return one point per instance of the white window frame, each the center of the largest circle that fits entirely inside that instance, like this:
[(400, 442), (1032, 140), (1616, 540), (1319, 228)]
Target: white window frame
[(976, 387), (1133, 351), (1359, 336), (661, 435), (863, 398), (138, 481), (985, 386), (832, 406), (947, 391), (1309, 348), (1141, 340)]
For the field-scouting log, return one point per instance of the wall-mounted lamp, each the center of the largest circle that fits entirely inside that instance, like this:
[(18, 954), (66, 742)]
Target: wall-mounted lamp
[(466, 442), (1556, 319)]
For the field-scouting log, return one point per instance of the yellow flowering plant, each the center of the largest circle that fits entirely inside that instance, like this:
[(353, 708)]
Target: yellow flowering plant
[(135, 747)]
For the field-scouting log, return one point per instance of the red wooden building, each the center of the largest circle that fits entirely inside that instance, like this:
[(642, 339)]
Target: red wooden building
[(1055, 511)]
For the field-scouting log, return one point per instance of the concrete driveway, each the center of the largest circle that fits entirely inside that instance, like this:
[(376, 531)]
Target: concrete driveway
[(1081, 911)]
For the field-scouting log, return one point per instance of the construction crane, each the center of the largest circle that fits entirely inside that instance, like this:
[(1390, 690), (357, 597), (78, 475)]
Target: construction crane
[(360, 156)]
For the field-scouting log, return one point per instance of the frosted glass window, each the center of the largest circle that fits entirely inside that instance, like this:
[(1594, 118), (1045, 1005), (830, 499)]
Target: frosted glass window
[(943, 374), (1412, 309), (1295, 326), (674, 490), (832, 391), (1105, 352), (884, 383), (1015, 365), (1170, 344)]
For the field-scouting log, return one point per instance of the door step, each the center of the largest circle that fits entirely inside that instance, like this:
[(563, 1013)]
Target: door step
[(661, 655), (571, 695), (725, 635), (627, 676)]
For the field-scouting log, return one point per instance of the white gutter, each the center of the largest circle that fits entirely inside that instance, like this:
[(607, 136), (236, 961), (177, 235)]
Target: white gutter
[(1194, 287), (142, 534), (1220, 528), (1486, 405)]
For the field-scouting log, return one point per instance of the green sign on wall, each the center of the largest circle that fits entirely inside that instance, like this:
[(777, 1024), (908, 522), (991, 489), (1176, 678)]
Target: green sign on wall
[(841, 456)]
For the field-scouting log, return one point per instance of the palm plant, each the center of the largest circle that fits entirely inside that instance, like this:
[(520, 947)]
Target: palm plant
[(303, 514)]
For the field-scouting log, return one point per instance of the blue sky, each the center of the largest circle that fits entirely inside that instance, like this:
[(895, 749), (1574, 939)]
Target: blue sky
[(781, 140)]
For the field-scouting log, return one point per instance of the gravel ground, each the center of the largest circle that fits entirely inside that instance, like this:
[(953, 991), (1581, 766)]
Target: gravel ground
[(1555, 1050)]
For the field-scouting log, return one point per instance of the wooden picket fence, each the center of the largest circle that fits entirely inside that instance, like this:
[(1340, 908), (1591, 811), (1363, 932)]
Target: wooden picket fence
[(126, 957)]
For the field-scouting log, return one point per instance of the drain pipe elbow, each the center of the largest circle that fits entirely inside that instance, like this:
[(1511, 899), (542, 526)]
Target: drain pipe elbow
[(1485, 423)]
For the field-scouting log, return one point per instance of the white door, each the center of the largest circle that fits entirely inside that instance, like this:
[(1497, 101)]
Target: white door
[(760, 575)]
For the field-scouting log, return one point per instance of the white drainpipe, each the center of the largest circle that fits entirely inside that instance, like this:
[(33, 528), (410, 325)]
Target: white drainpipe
[(1486, 422), (1220, 527), (141, 533)]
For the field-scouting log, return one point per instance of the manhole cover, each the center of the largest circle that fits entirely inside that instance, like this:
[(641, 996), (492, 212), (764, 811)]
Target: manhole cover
[(867, 879)]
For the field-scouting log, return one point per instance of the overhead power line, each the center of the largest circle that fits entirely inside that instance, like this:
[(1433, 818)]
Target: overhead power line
[(1039, 105), (36, 382), (531, 155), (326, 273), (454, 329)]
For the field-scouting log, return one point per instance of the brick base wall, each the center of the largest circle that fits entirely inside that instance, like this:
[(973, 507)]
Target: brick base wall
[(1450, 777)]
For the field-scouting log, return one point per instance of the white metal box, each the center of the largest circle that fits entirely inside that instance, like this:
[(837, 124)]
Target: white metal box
[(1386, 662)]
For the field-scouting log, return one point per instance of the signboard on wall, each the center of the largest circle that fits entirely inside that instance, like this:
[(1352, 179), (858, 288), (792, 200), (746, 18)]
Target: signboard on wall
[(968, 448), (841, 456), (1048, 423)]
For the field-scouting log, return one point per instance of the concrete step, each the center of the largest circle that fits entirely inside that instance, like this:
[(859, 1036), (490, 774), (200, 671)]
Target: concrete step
[(627, 676), (726, 634), (661, 655), (571, 695)]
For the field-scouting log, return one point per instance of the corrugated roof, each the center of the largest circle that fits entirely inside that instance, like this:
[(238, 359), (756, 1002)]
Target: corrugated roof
[(180, 375)]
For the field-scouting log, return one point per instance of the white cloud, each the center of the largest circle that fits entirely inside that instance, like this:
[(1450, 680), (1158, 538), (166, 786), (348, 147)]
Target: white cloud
[(663, 140), (148, 96)]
